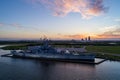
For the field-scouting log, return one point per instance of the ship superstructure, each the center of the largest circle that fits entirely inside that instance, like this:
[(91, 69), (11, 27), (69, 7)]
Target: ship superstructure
[(48, 52)]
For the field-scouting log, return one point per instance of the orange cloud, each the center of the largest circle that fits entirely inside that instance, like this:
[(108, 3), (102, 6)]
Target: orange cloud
[(111, 34), (87, 8), (76, 36)]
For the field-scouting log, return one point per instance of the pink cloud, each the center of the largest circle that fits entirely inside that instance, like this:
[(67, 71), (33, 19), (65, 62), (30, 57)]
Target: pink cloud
[(87, 8)]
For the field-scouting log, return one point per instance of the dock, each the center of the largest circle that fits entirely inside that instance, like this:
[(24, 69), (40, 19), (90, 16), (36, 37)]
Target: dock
[(6, 55), (97, 60)]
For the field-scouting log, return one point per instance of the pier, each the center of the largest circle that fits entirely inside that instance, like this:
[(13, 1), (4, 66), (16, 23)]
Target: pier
[(6, 55)]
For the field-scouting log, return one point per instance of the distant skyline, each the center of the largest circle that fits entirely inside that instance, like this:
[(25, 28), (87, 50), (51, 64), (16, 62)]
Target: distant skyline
[(60, 19)]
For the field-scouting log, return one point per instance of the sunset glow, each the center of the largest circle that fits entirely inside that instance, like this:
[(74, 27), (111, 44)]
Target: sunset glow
[(59, 19)]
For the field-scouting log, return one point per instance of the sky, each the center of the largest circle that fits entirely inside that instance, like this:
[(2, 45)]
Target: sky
[(59, 19)]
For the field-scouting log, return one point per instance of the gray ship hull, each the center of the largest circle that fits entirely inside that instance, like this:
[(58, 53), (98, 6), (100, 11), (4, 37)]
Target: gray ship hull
[(59, 57)]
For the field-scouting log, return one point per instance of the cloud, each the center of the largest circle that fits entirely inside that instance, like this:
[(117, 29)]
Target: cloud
[(117, 20), (16, 25), (12, 25), (87, 8), (109, 28), (74, 36), (19, 26), (111, 34), (1, 24)]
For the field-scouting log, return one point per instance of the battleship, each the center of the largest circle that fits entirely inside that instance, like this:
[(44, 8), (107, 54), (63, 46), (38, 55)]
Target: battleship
[(47, 52)]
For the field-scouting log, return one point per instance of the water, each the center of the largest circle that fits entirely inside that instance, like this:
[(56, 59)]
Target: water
[(26, 69)]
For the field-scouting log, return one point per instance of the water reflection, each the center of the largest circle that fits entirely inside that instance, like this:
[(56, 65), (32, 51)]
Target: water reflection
[(65, 71), (27, 69)]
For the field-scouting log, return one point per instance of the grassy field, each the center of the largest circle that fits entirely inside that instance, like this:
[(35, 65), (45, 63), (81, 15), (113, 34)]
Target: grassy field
[(104, 49), (24, 46), (14, 47), (105, 52)]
